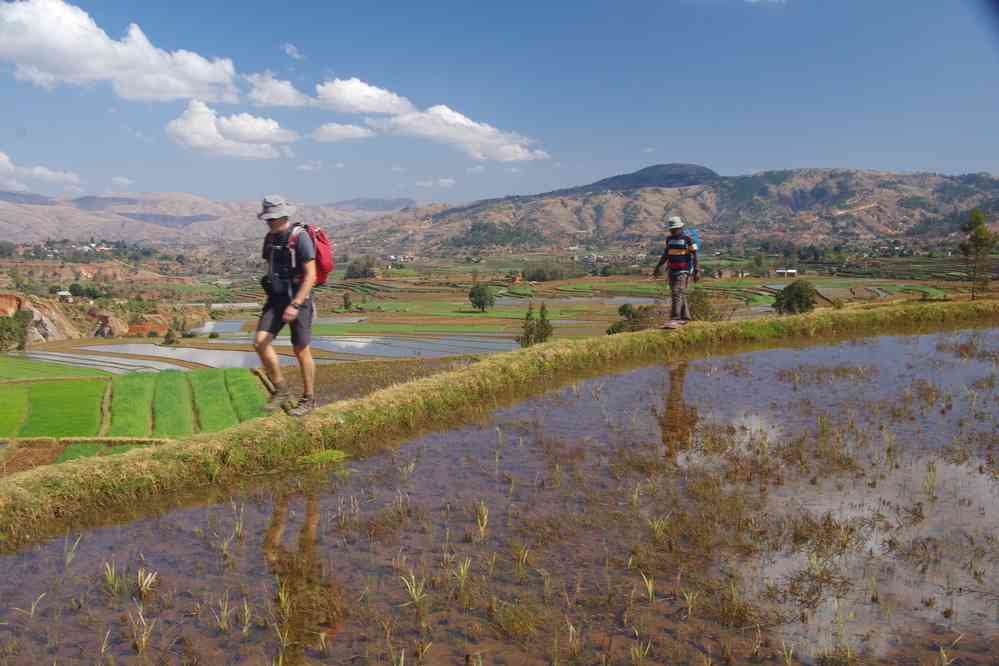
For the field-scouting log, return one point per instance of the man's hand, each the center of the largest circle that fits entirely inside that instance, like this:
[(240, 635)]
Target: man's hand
[(697, 276), (290, 314), (656, 273)]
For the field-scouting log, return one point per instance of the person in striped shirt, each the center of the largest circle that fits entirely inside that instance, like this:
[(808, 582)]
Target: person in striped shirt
[(680, 257)]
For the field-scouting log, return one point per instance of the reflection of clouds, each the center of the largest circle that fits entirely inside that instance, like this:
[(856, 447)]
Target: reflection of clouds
[(933, 558)]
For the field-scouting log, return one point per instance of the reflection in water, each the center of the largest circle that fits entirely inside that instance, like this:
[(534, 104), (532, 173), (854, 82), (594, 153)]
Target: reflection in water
[(309, 602), (679, 420)]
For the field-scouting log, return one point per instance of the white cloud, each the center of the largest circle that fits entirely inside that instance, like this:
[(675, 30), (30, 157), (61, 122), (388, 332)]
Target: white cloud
[(478, 168), (398, 169), (254, 129), (122, 181), (355, 96), (198, 128), (333, 132), (52, 42), (12, 177), (268, 91), (479, 140), (340, 165), (292, 51), (446, 182), (648, 149), (309, 167)]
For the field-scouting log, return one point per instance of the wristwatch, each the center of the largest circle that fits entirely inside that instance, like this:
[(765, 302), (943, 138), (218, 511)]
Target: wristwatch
[(295, 305)]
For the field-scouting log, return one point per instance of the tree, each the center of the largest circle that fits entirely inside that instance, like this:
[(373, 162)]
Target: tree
[(795, 298), (482, 297), (76, 289), (544, 328), (977, 249), (362, 267), (527, 333), (348, 303), (7, 249)]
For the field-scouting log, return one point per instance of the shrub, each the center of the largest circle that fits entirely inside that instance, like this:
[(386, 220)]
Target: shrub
[(152, 334), (482, 297), (547, 271), (535, 331), (213, 335), (637, 318), (795, 298), (362, 267), (170, 338)]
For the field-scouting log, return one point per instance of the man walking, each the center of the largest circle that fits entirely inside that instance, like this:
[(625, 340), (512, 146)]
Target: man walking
[(680, 256), (291, 274)]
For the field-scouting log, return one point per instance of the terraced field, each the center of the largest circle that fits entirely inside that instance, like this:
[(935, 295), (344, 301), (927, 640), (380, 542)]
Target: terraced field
[(167, 404)]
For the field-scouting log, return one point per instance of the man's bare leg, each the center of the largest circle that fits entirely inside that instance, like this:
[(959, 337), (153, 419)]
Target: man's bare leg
[(269, 358), (308, 367)]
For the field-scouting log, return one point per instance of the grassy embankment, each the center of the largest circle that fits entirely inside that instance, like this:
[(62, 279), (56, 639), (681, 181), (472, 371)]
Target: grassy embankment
[(38, 502)]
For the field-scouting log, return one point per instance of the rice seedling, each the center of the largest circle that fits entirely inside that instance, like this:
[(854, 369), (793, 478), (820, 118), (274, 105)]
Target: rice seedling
[(416, 592), (650, 587), (482, 519), (30, 612), (223, 613), (141, 629), (690, 599), (246, 617), (69, 551), (638, 653), (144, 582), (114, 581)]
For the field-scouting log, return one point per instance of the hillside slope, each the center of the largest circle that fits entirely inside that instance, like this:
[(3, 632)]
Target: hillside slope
[(161, 217), (804, 205)]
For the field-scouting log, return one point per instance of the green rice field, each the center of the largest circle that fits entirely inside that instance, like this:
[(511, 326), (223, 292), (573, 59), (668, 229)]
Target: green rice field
[(79, 450), (211, 397), (131, 402), (63, 409), (167, 404), (15, 406)]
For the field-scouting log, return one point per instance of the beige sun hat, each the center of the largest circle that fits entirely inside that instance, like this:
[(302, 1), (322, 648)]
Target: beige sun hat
[(676, 222), (274, 207)]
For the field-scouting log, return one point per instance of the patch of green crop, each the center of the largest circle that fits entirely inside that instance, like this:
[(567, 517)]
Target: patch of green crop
[(14, 398), (173, 415), (64, 409), (245, 393), (131, 405), (211, 400), (78, 450), (12, 367)]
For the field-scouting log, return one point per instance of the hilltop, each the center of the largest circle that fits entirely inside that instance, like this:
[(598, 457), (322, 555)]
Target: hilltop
[(803, 205)]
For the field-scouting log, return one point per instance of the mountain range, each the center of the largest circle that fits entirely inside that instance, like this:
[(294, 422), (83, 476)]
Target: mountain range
[(804, 205), (819, 206)]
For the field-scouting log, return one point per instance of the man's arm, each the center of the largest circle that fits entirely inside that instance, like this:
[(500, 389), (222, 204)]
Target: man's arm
[(662, 260), (304, 289)]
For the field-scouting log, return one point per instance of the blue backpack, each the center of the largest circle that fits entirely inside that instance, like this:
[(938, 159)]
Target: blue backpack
[(694, 236)]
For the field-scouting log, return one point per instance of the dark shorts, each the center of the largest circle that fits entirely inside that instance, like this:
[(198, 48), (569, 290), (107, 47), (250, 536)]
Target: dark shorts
[(301, 327)]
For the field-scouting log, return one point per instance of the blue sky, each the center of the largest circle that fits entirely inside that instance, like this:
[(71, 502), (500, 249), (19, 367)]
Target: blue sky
[(456, 101)]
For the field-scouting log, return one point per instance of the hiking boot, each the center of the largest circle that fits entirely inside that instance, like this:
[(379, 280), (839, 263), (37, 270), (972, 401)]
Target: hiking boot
[(278, 398), (304, 405)]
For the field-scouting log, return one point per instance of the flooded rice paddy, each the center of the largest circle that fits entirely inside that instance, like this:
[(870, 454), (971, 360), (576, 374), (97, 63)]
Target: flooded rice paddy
[(397, 346), (826, 505), (211, 357)]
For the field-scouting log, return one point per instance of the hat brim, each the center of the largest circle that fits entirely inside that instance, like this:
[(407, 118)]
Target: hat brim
[(276, 214)]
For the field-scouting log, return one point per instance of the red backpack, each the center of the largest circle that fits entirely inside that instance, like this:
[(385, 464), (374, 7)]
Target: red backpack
[(324, 250)]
